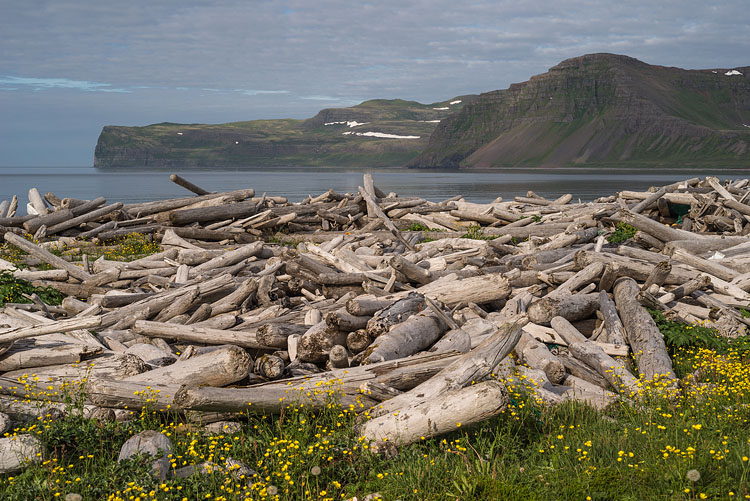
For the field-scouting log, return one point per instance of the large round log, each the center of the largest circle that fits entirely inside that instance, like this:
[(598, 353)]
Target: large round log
[(429, 418), (571, 307), (645, 339), (216, 368)]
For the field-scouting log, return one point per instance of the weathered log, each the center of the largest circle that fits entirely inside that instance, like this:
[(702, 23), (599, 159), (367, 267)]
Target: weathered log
[(686, 289), (644, 337), (44, 355), (197, 334), (571, 307), (454, 340), (217, 213), (83, 218), (615, 331), (480, 289), (338, 357), (428, 418), (537, 356), (658, 275), (46, 256), (344, 321), (229, 258), (592, 355), (276, 334), (317, 341), (406, 338), (654, 228), (187, 184), (395, 313), (465, 369), (269, 367)]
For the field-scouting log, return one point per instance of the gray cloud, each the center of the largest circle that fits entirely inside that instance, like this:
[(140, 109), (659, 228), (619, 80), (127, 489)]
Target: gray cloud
[(140, 61)]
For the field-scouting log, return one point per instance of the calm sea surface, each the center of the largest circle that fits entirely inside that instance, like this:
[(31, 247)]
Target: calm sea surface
[(131, 185)]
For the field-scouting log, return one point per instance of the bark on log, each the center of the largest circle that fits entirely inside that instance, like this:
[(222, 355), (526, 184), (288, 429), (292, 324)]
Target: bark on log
[(317, 341), (276, 334), (645, 339)]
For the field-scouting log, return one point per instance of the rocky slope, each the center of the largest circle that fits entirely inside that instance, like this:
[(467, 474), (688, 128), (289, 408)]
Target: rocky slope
[(374, 133), (602, 109)]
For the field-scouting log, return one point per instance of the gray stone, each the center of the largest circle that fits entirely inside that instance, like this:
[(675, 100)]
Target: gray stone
[(73, 497), (18, 452), (4, 423), (147, 442), (222, 427)]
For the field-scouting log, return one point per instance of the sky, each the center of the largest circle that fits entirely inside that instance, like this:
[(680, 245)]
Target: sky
[(70, 67)]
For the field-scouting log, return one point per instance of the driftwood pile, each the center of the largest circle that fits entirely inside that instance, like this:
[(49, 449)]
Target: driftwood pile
[(404, 326)]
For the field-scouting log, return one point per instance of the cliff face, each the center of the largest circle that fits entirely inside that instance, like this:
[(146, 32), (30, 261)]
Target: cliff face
[(601, 109), (373, 133)]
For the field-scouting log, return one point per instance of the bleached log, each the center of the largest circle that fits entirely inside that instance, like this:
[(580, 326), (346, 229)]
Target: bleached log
[(656, 229), (229, 258), (196, 334), (338, 357), (416, 333), (710, 267), (269, 367), (610, 369), (686, 289), (42, 356), (276, 334), (394, 313), (537, 356), (480, 289), (643, 335), (220, 367), (344, 321), (46, 256), (571, 307), (429, 418), (658, 275), (317, 341), (465, 369), (454, 340)]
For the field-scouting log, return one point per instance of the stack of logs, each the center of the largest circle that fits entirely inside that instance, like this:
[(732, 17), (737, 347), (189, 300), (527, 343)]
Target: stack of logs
[(414, 327)]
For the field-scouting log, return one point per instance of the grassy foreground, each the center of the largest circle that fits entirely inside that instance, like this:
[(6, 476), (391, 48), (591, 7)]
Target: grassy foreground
[(687, 443)]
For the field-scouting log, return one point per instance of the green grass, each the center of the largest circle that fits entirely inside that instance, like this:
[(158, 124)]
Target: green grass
[(475, 232), (623, 232), (633, 450), (12, 290)]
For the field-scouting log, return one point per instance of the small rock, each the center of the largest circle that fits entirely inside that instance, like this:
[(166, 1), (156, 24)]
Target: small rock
[(238, 469), (222, 427), (19, 451), (73, 497), (4, 423), (147, 442), (200, 468)]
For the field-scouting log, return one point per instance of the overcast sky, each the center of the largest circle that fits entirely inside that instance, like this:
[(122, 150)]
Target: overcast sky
[(69, 67)]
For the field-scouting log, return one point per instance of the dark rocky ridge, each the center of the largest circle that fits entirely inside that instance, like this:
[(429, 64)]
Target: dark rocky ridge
[(601, 109), (281, 142)]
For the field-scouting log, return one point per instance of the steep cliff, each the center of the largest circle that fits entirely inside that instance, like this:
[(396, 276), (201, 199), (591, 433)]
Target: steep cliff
[(374, 133), (602, 109)]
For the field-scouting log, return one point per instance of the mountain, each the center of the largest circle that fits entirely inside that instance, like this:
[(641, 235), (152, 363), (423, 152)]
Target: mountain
[(379, 132), (602, 109)]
